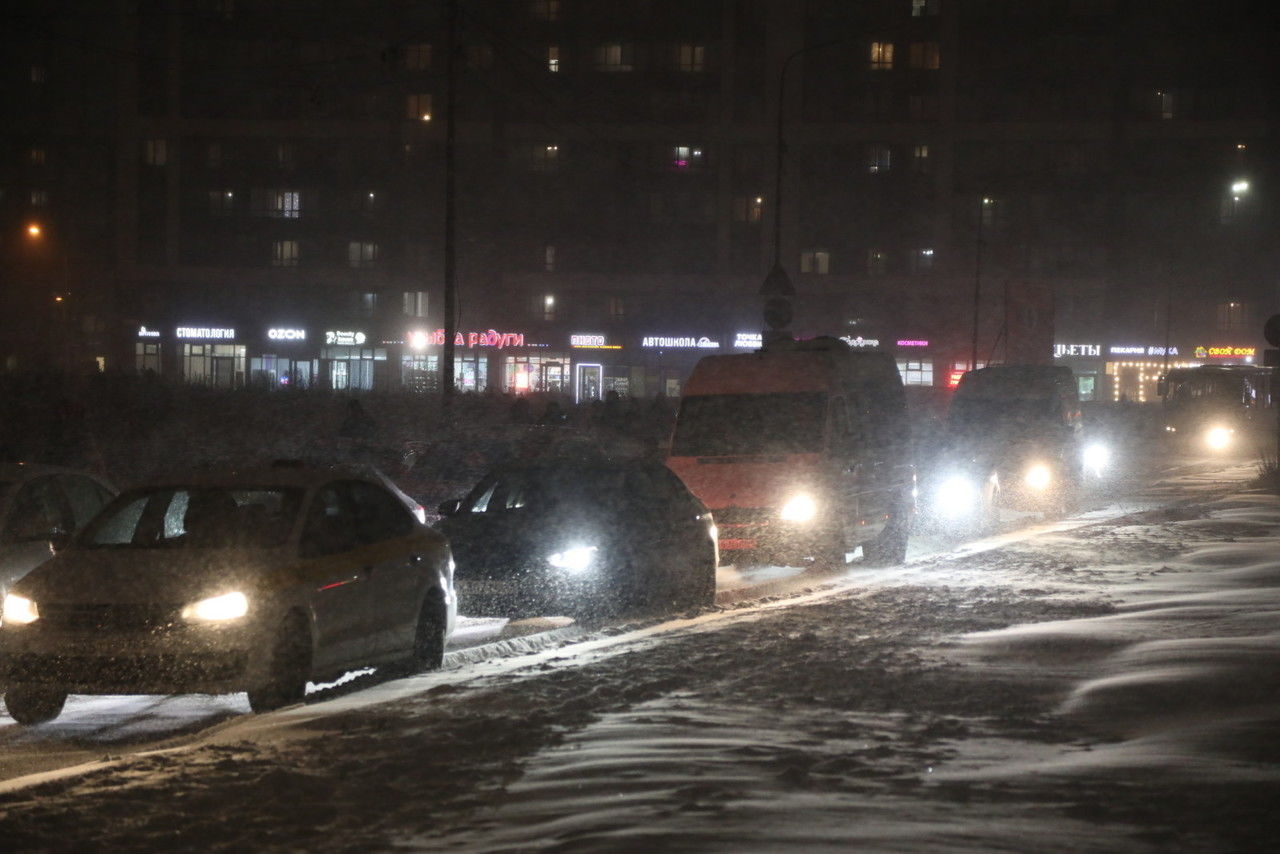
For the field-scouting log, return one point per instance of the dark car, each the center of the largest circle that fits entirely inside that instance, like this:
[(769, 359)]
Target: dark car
[(257, 581), (580, 537)]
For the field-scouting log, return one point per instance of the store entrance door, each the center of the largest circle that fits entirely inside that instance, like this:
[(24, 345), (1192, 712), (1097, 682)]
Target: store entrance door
[(588, 383)]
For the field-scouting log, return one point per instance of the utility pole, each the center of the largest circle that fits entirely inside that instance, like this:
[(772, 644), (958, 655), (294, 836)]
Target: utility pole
[(977, 282), (450, 203)]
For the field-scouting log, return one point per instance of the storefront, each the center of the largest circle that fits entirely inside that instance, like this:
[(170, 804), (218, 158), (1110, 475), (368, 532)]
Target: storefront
[(285, 360), (211, 356), (599, 367), (669, 359), (148, 351), (1133, 371), (1087, 362), (483, 360), (348, 362)]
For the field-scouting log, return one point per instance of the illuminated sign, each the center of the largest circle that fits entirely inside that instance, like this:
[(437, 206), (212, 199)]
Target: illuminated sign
[(344, 337), (144, 332), (592, 342), (680, 343), (748, 340), (1226, 352), (953, 378), (1060, 350), (1137, 350), (420, 339), (206, 332), (283, 334), (860, 341), (912, 342)]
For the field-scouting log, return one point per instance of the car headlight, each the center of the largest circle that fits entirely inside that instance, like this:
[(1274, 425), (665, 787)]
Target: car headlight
[(1097, 457), (1218, 438), (216, 609), (1038, 476), (956, 496), (575, 560), (19, 610), (799, 508)]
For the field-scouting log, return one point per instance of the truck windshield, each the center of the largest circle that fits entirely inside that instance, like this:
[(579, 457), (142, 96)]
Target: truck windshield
[(749, 424)]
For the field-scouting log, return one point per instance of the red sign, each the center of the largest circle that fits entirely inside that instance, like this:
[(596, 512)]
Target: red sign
[(491, 338), (953, 379)]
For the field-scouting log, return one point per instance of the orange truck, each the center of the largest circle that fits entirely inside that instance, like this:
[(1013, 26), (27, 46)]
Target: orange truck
[(801, 450)]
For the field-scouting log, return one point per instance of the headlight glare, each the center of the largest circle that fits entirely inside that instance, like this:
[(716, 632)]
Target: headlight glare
[(1218, 438), (19, 610), (574, 560), (957, 496), (1097, 457), (1038, 476), (799, 508), (216, 609)]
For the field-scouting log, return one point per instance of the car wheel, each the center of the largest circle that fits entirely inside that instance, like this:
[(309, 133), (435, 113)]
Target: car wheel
[(290, 666), (889, 548), (31, 705), (428, 637)]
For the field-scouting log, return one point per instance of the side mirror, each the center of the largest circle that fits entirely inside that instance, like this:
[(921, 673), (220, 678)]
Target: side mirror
[(448, 508)]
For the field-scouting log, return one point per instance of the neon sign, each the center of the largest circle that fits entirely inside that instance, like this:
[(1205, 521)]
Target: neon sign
[(144, 332), (282, 334), (344, 337), (687, 342), (208, 332), (1060, 350), (1226, 352), (912, 342), (748, 340), (592, 342), (860, 341), (420, 339)]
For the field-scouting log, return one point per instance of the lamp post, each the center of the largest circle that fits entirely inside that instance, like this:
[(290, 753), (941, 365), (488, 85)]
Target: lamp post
[(777, 289), (57, 303)]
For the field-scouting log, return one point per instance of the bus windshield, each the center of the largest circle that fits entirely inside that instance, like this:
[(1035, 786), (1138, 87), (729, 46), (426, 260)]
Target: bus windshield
[(750, 424)]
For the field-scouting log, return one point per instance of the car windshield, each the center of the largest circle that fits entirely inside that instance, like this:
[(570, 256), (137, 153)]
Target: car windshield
[(196, 518), (983, 412), (750, 424), (547, 487)]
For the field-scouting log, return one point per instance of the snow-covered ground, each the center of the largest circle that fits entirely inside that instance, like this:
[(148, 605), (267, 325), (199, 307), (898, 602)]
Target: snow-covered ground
[(1104, 683)]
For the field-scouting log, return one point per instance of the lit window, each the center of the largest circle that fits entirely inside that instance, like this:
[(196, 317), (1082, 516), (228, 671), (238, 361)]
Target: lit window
[(877, 262), (37, 156), (286, 204), (925, 55), (617, 307), (284, 253), (916, 371), (615, 57), (685, 157), (155, 152), (549, 307), (37, 74), (923, 8), (881, 56), (553, 58), (367, 303), (878, 158), (418, 107), (417, 57), (549, 258), (992, 211), (1162, 104), (748, 208), (922, 260), (817, 261), (690, 57), (362, 253), (415, 303), (920, 159), (39, 198), (545, 10), (221, 202), (368, 201)]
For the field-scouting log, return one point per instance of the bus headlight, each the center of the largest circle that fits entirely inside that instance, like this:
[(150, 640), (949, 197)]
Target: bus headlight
[(799, 508), (1038, 477), (956, 496), (1097, 457), (1218, 438)]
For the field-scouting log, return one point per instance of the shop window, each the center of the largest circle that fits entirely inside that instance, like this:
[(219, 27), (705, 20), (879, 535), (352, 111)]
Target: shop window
[(524, 374), (925, 55), (881, 56), (418, 107), (690, 57), (686, 157), (817, 261), (37, 157), (146, 356), (877, 262), (916, 371), (748, 208), (920, 163), (553, 58), (415, 303), (417, 57), (155, 152), (284, 253), (615, 56), (879, 158), (362, 253), (545, 10)]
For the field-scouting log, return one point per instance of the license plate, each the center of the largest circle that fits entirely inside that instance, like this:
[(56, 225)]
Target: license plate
[(487, 587)]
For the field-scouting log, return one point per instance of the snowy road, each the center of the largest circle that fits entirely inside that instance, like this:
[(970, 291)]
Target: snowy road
[(874, 707)]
